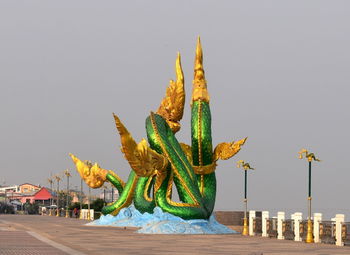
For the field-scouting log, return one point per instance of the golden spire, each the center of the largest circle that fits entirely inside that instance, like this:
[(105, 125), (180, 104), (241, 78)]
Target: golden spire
[(199, 90), (198, 63)]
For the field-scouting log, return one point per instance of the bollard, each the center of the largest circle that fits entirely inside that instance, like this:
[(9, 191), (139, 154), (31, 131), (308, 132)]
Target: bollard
[(339, 220), (297, 218), (251, 219), (92, 214), (264, 218), (317, 221), (280, 219)]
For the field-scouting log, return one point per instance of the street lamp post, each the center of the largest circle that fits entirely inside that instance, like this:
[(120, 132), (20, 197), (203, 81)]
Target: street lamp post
[(58, 196), (67, 173), (104, 194), (50, 181), (88, 214), (246, 167), (309, 157), (81, 199)]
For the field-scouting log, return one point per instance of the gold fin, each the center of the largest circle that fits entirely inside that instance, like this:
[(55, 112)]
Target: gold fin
[(225, 151), (92, 174), (199, 89), (187, 150), (142, 159), (172, 106)]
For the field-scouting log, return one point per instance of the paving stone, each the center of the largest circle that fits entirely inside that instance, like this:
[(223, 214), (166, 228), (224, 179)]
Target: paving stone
[(110, 240)]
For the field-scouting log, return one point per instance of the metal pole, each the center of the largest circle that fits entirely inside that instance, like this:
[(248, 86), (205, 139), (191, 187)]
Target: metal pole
[(245, 220), (50, 211), (309, 178), (88, 214), (58, 198), (104, 195), (245, 184), (309, 235), (67, 212), (81, 198)]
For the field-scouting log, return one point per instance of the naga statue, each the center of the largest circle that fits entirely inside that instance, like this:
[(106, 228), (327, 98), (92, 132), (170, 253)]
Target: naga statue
[(161, 162)]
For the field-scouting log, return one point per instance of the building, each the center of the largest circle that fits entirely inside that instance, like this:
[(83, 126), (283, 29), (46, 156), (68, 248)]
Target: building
[(42, 196), (28, 188), (109, 195), (14, 188)]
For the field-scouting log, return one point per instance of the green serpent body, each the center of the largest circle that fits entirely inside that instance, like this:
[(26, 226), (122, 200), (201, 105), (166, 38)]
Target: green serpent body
[(196, 192), (202, 150)]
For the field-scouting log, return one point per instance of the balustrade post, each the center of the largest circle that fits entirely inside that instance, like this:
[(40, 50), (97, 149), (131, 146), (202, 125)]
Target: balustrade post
[(339, 220), (251, 221), (317, 221), (297, 218), (264, 218), (92, 214), (280, 219)]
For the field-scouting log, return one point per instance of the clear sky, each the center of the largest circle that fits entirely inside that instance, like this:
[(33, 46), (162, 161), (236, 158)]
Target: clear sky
[(277, 71)]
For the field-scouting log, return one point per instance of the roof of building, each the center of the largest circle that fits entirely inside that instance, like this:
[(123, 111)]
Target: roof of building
[(26, 183)]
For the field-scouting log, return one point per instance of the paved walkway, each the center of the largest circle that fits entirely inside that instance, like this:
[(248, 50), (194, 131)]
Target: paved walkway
[(26, 234)]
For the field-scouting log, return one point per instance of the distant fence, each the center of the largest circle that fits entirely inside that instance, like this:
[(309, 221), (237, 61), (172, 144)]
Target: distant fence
[(335, 231)]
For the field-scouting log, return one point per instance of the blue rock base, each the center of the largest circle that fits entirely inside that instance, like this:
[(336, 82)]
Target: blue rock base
[(161, 223)]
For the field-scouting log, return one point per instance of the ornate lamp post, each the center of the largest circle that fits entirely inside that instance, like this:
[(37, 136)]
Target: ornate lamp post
[(50, 181), (67, 173), (81, 198), (246, 167), (88, 214), (104, 194), (309, 157), (58, 179)]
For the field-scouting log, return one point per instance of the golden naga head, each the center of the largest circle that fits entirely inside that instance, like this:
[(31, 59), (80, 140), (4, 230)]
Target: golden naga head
[(92, 174), (199, 89), (142, 159), (172, 106)]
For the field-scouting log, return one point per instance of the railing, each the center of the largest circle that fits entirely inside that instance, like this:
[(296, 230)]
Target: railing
[(327, 232), (346, 233), (72, 214), (257, 225), (303, 229), (288, 229), (272, 227)]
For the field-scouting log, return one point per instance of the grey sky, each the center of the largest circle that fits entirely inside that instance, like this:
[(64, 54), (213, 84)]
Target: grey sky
[(277, 72)]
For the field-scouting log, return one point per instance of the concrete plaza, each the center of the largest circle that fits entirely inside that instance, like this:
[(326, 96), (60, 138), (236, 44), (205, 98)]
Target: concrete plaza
[(27, 234)]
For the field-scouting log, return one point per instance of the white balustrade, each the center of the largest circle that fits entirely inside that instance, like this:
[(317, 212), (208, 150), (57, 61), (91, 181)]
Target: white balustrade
[(317, 221), (297, 218), (280, 219), (251, 222), (264, 218), (85, 214), (339, 220)]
